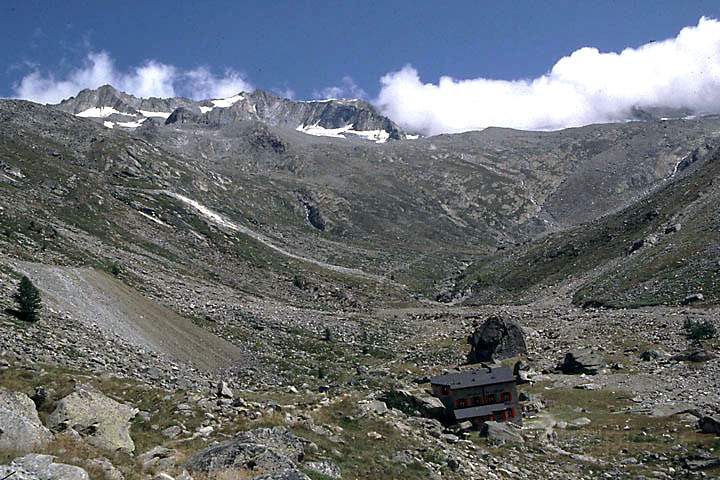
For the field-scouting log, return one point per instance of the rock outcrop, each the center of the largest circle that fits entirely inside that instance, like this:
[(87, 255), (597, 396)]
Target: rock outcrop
[(20, 426), (497, 338), (709, 424), (501, 432), (41, 467), (415, 403), (265, 450), (101, 420), (581, 361)]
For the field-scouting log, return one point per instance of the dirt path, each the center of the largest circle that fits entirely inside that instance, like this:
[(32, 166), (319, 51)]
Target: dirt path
[(92, 296)]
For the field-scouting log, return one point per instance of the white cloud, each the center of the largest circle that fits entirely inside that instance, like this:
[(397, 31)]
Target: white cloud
[(585, 87), (346, 89), (285, 92), (151, 79), (203, 84)]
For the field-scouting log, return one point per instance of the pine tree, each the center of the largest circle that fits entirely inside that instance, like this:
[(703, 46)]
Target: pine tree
[(28, 299)]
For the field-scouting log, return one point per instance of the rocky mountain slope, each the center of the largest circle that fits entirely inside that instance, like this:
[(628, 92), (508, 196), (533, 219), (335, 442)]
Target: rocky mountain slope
[(659, 250), (250, 283), (334, 118)]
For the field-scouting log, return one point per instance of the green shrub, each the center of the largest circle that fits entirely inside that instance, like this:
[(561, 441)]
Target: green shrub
[(300, 282), (115, 270), (699, 330)]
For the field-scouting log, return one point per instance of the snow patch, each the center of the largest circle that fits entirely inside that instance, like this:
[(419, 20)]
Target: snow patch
[(411, 137), (378, 136), (156, 220), (227, 102), (101, 112), (131, 124), (206, 212), (148, 113), (109, 124), (204, 109), (319, 131)]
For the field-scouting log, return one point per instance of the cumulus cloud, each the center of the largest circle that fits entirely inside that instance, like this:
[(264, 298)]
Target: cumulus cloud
[(347, 89), (203, 84), (150, 79), (588, 86)]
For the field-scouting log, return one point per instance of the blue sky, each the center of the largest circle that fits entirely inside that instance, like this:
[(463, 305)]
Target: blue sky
[(304, 47)]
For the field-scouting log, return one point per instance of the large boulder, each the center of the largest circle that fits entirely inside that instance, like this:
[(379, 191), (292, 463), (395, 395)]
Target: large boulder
[(415, 403), (497, 338), (41, 467), (20, 426), (265, 450), (696, 354), (104, 422), (501, 432), (708, 424), (581, 361), (288, 474)]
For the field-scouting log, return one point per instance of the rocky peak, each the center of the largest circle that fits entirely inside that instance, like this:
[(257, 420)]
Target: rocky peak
[(328, 118), (107, 100), (104, 96), (326, 114)]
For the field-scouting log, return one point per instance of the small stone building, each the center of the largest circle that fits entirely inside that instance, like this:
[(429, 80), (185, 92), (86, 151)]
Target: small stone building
[(479, 395)]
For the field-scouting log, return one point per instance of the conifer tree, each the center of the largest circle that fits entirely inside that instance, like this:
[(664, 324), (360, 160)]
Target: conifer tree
[(28, 300)]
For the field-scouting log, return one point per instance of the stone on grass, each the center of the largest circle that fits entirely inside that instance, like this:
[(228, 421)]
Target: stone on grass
[(287, 474), (324, 467), (415, 403), (102, 421), (223, 391), (108, 469), (581, 361), (41, 467), (20, 426), (501, 432), (158, 457), (264, 449)]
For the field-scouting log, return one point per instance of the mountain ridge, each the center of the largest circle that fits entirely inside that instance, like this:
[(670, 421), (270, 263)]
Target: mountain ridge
[(333, 117)]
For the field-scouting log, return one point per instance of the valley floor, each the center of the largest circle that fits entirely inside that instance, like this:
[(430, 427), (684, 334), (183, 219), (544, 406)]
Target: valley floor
[(322, 375)]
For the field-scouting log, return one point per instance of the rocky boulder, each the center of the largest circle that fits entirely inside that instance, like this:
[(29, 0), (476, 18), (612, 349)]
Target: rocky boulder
[(224, 391), (581, 361), (288, 474), (41, 467), (265, 450), (497, 338), (693, 298), (696, 353), (101, 420), (326, 468), (501, 432), (415, 403), (20, 426), (708, 424)]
